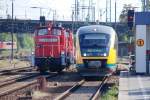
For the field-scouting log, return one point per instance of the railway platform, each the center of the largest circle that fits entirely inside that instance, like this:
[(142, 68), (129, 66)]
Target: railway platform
[(134, 87)]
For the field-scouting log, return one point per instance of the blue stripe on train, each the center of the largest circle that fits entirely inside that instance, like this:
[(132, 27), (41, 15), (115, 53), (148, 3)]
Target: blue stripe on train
[(111, 66)]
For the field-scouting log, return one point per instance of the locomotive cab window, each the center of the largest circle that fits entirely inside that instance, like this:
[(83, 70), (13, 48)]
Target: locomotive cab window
[(43, 31), (56, 31), (94, 39)]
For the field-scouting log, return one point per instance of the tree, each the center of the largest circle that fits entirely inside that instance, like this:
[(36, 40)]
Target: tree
[(124, 19)]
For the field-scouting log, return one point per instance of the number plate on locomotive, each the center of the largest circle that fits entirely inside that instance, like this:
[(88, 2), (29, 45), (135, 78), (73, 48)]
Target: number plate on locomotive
[(48, 40)]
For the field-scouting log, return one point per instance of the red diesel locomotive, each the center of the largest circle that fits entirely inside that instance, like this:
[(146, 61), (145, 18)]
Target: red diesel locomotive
[(54, 48)]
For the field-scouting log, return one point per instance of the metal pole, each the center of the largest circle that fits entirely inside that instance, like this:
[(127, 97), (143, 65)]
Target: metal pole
[(89, 11), (100, 16), (75, 10), (147, 5), (106, 11), (83, 10), (40, 11), (75, 14), (110, 10), (94, 13), (115, 14), (72, 20), (12, 29), (144, 5)]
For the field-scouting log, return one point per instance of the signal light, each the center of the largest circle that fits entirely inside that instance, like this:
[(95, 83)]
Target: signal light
[(130, 18)]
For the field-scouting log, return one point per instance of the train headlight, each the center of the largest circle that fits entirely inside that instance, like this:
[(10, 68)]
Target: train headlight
[(84, 54), (105, 54), (62, 52)]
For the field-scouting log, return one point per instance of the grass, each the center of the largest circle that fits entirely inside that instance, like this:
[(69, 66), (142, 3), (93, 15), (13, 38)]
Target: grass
[(111, 94)]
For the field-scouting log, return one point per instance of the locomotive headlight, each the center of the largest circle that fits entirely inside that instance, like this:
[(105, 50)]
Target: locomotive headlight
[(105, 54), (84, 54), (62, 52)]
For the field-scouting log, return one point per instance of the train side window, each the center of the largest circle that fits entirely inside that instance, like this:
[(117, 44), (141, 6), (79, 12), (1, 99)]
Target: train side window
[(56, 32), (42, 31)]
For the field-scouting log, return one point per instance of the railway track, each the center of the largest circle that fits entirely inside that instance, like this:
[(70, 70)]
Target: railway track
[(7, 71), (17, 79), (11, 87), (98, 91), (83, 90)]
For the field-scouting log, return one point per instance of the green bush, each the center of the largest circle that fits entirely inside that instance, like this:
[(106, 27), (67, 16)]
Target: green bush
[(28, 41), (111, 94), (24, 40)]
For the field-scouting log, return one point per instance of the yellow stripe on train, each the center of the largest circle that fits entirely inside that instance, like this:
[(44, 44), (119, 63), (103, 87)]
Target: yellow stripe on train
[(112, 58)]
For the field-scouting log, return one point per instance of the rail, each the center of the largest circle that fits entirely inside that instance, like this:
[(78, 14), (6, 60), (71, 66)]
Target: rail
[(93, 96), (6, 71), (13, 80), (98, 92), (34, 82), (74, 87)]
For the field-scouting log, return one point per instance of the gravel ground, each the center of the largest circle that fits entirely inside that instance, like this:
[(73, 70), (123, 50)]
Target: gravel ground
[(114, 80), (14, 86), (57, 85), (123, 67)]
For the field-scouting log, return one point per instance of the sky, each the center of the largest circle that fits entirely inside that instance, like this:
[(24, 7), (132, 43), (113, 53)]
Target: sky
[(23, 8)]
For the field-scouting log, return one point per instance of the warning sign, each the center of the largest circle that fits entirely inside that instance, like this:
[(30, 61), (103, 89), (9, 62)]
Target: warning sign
[(140, 42)]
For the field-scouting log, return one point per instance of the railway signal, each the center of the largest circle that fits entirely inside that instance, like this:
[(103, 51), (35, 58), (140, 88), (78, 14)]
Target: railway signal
[(130, 18)]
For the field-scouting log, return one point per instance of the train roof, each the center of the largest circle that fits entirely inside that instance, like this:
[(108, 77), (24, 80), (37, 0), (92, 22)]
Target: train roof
[(96, 29)]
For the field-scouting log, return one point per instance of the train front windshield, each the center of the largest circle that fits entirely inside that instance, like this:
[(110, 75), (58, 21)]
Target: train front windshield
[(94, 44), (43, 31)]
